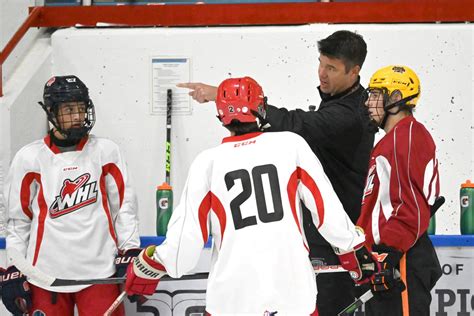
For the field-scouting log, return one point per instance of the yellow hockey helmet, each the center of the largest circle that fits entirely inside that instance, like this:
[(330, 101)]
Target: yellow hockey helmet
[(397, 78)]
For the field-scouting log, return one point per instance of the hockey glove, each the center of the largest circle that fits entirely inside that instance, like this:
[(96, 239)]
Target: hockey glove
[(123, 259), (386, 282), (16, 294), (360, 263), (144, 273)]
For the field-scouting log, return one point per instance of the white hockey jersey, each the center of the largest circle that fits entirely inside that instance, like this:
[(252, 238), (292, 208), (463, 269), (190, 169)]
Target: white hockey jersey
[(246, 193), (70, 212)]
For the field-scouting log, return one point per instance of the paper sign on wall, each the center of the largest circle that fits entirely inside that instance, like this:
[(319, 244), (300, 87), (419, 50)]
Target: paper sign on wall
[(166, 73)]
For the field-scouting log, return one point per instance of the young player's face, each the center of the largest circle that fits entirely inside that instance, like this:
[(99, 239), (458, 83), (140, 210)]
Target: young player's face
[(71, 115), (374, 105), (333, 77)]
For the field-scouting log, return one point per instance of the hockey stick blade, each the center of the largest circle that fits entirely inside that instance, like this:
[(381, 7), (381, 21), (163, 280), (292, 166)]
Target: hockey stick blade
[(357, 303), (16, 259)]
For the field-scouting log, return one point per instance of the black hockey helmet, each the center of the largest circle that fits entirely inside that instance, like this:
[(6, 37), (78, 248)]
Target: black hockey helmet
[(65, 89)]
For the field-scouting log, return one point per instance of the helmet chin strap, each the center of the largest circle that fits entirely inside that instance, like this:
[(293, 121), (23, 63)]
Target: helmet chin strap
[(401, 104), (74, 134)]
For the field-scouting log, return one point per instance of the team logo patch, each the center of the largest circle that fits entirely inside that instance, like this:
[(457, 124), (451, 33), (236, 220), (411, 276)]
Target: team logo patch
[(398, 69), (369, 185), (38, 313), (74, 195), (380, 256)]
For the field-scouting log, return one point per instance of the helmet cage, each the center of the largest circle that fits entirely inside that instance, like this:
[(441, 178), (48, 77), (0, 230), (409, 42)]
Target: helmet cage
[(60, 90)]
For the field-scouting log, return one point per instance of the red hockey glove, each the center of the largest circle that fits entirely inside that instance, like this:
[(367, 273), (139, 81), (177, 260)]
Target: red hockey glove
[(386, 282), (144, 273), (16, 294), (360, 263), (122, 260)]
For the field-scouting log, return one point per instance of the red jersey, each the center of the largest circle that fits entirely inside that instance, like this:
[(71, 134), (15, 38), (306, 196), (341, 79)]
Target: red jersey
[(402, 183)]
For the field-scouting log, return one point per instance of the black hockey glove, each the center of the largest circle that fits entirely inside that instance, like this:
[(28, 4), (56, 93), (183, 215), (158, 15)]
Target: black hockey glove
[(122, 261), (16, 294), (386, 283)]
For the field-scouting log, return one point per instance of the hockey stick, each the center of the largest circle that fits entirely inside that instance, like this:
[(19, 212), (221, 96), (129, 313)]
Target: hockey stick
[(356, 304), (19, 261), (436, 205), (164, 194), (169, 101), (115, 304), (368, 295)]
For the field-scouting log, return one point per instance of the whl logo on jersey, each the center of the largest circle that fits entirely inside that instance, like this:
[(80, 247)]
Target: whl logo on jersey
[(74, 195)]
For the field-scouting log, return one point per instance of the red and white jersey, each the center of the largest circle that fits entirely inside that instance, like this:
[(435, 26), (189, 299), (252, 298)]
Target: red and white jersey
[(402, 183), (70, 212), (246, 193)]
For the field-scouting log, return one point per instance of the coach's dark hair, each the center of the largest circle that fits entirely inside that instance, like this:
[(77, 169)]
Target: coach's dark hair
[(242, 128), (345, 45)]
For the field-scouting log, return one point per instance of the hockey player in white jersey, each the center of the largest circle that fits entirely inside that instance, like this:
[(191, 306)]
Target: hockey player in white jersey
[(71, 209), (246, 194)]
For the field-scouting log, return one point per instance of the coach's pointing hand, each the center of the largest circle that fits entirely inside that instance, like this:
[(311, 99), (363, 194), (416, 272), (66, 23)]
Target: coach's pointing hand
[(199, 91)]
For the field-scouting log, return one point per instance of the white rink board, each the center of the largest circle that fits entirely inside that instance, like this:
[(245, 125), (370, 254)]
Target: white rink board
[(452, 295), (115, 64)]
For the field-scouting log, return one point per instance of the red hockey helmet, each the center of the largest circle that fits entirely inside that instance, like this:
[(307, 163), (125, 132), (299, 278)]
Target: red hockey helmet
[(238, 99)]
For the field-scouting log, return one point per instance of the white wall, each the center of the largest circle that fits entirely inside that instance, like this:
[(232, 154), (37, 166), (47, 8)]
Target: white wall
[(12, 15), (20, 119), (115, 64)]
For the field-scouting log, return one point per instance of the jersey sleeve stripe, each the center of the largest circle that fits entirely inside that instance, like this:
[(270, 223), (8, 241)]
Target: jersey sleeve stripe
[(210, 201), (105, 204), (41, 218), (25, 193), (203, 212), (114, 171), (291, 189), (219, 210), (313, 187)]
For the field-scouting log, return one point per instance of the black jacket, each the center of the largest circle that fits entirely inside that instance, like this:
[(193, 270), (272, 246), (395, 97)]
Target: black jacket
[(341, 135)]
